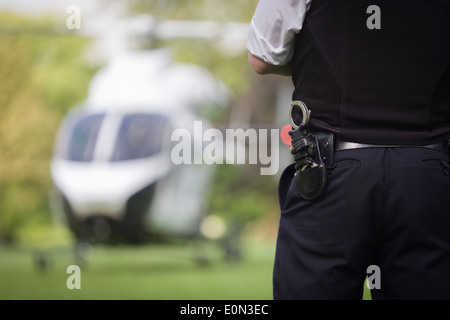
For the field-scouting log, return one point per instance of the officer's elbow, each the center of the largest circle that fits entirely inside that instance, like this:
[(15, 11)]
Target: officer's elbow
[(258, 65), (262, 67)]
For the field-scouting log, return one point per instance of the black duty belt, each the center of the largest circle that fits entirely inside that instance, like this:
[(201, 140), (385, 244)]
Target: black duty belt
[(345, 145), (314, 152)]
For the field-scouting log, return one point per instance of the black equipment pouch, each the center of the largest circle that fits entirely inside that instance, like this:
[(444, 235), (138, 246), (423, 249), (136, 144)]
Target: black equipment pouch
[(313, 153)]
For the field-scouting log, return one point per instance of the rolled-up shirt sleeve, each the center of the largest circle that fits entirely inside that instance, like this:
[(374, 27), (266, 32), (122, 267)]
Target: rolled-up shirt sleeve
[(273, 28)]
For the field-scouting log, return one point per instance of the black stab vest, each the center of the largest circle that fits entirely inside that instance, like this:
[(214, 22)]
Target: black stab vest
[(381, 86)]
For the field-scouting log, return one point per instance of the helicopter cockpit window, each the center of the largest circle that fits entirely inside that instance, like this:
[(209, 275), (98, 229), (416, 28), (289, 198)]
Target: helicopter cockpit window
[(140, 136), (83, 138)]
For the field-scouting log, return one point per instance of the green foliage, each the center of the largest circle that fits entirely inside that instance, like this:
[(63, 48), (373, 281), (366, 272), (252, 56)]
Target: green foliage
[(63, 73), (241, 195), (215, 10), (233, 70), (42, 75)]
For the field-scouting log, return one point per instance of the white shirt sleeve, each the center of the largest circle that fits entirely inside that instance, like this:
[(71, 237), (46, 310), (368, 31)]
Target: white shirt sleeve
[(273, 28)]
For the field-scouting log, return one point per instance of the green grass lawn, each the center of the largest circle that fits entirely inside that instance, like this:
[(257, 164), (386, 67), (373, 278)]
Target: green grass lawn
[(169, 272), (146, 272)]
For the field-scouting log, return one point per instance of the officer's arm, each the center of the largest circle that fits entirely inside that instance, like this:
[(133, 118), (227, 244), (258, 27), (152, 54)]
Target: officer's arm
[(262, 67)]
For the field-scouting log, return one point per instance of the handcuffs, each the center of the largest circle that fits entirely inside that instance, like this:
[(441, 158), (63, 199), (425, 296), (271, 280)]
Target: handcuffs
[(312, 152)]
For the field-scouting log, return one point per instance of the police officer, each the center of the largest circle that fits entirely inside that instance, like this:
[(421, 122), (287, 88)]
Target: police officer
[(375, 76)]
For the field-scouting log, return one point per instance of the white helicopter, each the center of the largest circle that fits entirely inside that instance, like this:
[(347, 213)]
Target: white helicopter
[(112, 169)]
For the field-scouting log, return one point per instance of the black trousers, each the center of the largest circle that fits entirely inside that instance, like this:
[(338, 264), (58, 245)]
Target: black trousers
[(383, 207)]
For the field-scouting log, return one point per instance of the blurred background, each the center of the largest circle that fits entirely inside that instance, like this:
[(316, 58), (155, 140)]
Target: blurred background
[(90, 93)]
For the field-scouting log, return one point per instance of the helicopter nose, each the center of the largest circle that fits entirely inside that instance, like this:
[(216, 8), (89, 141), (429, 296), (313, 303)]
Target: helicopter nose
[(103, 206)]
